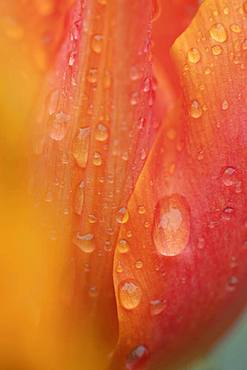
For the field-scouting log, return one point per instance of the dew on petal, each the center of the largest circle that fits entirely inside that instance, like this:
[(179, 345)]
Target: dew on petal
[(123, 246), (85, 242), (137, 357), (216, 50), (92, 76), (79, 199), (171, 227), (229, 176), (225, 105), (130, 294), (195, 110), (58, 125), (80, 146), (157, 306), (101, 132), (194, 55), (97, 43), (139, 264), (235, 28), (122, 216), (218, 32), (97, 159)]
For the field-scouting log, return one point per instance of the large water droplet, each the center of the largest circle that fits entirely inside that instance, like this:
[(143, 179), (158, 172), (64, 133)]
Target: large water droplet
[(171, 228), (218, 32), (137, 357), (130, 294), (85, 242), (58, 125), (81, 146)]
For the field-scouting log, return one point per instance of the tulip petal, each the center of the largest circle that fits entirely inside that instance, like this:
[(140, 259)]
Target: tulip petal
[(92, 135), (182, 280)]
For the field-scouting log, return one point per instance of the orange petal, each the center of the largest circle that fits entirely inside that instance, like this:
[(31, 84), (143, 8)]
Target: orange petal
[(93, 133), (183, 280)]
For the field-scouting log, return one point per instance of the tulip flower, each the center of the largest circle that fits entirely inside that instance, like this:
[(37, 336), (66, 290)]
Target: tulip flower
[(123, 191)]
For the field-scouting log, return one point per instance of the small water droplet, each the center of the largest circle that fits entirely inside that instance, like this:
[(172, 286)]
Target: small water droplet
[(72, 58), (141, 210), (134, 73), (97, 43), (92, 219), (85, 242), (235, 28), (227, 213), (93, 292), (195, 110), (218, 32), (216, 50), (201, 243), (130, 294), (122, 216), (79, 199), (147, 85), (80, 146), (229, 176), (139, 264), (171, 228), (58, 125), (92, 76), (137, 357), (52, 101), (97, 159), (232, 283), (194, 55), (225, 105), (123, 246), (101, 132), (157, 306)]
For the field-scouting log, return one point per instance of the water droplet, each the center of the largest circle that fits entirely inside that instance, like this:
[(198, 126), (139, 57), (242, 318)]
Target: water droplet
[(93, 292), (79, 199), (194, 55), (157, 306), (92, 76), (122, 216), (97, 159), (130, 294), (81, 146), (101, 132), (225, 105), (232, 283), (52, 101), (244, 44), (102, 2), (171, 228), (229, 176), (134, 99), (85, 242), (201, 243), (137, 357), (97, 43), (58, 125), (141, 210), (218, 32), (216, 50), (134, 73), (147, 85), (72, 58), (139, 264), (92, 219), (235, 28), (123, 246), (227, 213), (196, 110)]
